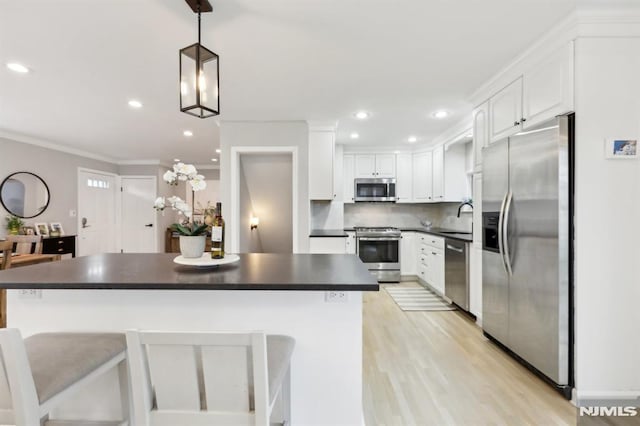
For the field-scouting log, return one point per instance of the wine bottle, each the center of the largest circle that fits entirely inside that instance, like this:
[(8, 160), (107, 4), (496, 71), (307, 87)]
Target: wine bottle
[(217, 234)]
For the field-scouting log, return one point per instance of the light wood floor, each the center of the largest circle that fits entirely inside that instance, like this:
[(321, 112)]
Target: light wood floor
[(436, 368)]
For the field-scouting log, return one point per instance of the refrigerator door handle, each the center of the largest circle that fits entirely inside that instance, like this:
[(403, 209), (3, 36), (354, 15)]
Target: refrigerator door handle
[(500, 231), (505, 234)]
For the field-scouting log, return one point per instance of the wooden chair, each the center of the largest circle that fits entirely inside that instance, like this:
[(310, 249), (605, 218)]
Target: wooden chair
[(6, 248), (46, 369), (26, 244), (208, 378)]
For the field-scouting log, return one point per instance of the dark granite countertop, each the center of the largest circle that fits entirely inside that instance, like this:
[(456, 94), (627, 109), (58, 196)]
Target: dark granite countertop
[(327, 233), (256, 271), (440, 232)]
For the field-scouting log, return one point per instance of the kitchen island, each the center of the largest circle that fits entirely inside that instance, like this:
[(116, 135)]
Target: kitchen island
[(278, 293)]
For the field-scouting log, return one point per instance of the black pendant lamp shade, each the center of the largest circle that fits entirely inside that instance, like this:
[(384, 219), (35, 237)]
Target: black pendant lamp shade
[(199, 74)]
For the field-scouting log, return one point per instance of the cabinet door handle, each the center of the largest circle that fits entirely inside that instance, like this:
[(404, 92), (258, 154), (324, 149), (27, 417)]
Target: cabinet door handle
[(516, 123), (522, 120)]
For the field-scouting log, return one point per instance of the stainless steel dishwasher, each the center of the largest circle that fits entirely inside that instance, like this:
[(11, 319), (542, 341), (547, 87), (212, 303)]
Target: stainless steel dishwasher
[(456, 272)]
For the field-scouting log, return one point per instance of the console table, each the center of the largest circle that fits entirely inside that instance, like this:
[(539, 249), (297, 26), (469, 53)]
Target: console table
[(65, 244)]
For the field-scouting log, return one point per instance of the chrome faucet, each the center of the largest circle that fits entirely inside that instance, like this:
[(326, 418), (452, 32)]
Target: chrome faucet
[(466, 203)]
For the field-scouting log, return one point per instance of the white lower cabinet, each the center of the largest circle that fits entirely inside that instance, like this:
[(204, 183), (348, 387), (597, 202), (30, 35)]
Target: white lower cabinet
[(431, 261), (408, 254), (350, 243), (327, 245)]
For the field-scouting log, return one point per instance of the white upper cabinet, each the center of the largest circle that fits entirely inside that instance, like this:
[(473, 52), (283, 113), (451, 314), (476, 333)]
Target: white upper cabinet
[(375, 166), (348, 175), (505, 111), (404, 178), (385, 165), (480, 133), (423, 177), (453, 174), (548, 87), (365, 166), (321, 164), (438, 173), (544, 91)]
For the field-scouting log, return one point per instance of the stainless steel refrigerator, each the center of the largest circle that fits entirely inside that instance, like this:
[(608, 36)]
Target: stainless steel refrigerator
[(526, 278)]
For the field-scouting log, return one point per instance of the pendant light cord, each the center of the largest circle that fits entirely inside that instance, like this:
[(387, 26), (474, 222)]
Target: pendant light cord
[(198, 22)]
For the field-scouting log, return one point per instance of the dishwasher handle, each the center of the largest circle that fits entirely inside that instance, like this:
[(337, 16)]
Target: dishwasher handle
[(450, 247)]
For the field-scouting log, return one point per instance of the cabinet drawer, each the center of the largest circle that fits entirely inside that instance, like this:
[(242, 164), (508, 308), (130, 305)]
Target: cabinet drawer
[(432, 241), (422, 273), (59, 245), (423, 259)]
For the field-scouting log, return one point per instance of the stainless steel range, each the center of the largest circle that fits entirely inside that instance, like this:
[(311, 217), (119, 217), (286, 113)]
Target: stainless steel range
[(379, 249)]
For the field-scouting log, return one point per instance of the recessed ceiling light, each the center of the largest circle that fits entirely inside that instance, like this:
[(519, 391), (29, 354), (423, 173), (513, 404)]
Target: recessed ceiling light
[(412, 139), (354, 135), (218, 151), (14, 66), (214, 159), (176, 160), (440, 114), (361, 115), (187, 133), (135, 104)]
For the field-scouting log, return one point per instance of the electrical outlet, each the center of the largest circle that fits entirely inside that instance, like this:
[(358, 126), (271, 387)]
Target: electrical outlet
[(336, 296), (30, 294)]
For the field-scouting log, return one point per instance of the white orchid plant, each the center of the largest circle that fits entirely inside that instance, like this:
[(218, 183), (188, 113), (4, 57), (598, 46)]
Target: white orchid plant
[(185, 173)]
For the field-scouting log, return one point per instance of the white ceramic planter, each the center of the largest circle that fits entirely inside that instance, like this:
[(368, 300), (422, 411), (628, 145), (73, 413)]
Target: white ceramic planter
[(192, 247)]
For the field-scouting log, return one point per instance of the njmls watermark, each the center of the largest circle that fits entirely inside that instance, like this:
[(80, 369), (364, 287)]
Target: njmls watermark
[(609, 411), (597, 412)]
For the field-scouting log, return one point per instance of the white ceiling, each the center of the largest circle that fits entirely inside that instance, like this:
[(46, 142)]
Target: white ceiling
[(280, 60)]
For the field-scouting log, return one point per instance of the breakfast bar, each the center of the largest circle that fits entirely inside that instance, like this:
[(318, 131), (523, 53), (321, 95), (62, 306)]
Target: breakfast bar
[(314, 298)]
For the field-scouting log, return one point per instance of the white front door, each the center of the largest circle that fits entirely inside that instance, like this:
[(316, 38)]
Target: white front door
[(96, 212), (139, 229)]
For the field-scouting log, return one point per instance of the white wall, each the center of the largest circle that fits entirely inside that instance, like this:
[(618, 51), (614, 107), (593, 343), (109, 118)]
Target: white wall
[(607, 201), (266, 192), (58, 169), (263, 134)]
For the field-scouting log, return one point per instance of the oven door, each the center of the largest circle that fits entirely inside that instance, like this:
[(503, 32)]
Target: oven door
[(379, 253)]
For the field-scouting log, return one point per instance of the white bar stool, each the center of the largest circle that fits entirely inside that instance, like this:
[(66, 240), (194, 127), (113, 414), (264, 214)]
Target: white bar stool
[(209, 378), (46, 369)]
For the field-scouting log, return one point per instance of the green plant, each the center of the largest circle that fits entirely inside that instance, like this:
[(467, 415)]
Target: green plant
[(190, 230), (14, 223)]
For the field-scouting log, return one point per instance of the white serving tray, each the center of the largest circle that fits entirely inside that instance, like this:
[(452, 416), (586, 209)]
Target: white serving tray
[(205, 261)]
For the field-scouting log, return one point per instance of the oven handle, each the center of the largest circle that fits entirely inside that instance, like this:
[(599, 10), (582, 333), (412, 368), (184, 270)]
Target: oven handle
[(379, 238)]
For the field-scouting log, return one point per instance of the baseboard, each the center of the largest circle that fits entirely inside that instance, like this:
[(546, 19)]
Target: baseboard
[(404, 278), (601, 398)]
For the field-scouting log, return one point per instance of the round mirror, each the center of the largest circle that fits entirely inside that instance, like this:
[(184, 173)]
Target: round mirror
[(24, 194)]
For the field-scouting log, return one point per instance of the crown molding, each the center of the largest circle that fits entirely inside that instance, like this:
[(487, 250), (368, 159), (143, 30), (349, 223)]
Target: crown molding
[(206, 167), (322, 126), (140, 163), (42, 143)]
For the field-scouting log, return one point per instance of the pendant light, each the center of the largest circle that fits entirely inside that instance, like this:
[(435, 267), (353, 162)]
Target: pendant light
[(199, 73)]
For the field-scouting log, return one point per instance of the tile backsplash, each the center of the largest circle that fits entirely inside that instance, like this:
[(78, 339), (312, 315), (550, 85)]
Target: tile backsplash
[(441, 215)]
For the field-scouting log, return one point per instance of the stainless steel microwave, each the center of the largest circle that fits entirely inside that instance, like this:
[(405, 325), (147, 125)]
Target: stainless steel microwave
[(376, 190)]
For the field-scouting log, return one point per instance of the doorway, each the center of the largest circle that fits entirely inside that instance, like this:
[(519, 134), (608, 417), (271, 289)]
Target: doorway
[(264, 186), (139, 231), (97, 220)]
